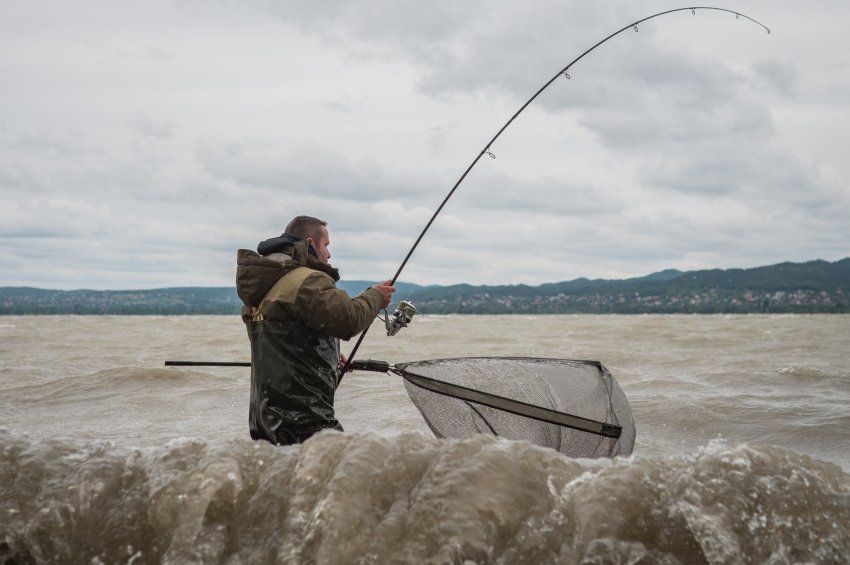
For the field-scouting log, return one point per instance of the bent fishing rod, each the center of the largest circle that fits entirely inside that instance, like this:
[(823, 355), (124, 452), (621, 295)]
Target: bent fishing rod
[(485, 151), (487, 148)]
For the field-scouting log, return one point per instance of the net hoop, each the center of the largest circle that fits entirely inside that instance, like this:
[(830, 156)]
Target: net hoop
[(512, 406)]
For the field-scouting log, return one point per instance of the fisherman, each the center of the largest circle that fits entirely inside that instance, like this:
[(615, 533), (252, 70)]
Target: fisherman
[(295, 317)]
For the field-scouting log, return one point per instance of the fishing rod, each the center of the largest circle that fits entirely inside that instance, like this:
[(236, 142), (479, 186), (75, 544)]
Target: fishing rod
[(486, 150), (405, 311)]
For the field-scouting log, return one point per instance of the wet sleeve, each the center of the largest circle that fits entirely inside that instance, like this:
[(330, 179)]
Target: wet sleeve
[(329, 310)]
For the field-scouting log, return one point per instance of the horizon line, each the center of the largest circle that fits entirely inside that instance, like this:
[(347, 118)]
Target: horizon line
[(438, 285)]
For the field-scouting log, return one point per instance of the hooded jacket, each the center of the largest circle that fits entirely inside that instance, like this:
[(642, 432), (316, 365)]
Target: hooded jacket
[(295, 317)]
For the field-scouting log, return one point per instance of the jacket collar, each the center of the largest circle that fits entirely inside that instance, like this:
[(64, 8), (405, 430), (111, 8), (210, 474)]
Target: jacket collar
[(281, 244), (303, 258)]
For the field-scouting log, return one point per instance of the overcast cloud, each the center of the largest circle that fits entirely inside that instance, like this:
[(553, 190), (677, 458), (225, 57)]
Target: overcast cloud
[(141, 144)]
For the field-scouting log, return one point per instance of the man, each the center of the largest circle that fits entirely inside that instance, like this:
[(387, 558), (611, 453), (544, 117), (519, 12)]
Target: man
[(295, 317)]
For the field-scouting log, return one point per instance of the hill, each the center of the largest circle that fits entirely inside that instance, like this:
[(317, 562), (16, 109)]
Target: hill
[(814, 286), (811, 287)]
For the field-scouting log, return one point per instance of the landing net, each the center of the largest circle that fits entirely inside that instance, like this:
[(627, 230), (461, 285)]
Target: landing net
[(575, 407)]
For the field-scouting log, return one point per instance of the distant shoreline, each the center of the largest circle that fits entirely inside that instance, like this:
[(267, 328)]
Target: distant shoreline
[(814, 287)]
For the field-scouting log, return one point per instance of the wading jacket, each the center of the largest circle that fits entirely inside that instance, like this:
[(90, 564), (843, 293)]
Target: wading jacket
[(295, 317)]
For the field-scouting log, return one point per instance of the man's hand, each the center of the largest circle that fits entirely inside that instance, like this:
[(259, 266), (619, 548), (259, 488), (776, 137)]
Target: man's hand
[(342, 361), (387, 289)]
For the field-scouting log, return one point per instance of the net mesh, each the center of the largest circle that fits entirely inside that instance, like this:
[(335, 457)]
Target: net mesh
[(577, 388)]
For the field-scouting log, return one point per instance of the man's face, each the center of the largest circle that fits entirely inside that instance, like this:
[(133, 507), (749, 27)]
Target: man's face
[(320, 244)]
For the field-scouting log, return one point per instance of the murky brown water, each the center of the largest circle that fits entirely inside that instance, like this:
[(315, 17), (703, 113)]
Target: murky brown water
[(385, 490)]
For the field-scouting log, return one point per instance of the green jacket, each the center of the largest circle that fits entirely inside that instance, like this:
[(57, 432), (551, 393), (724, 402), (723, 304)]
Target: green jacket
[(295, 317)]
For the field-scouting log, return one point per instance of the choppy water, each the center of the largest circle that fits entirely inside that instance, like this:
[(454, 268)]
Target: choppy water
[(743, 430)]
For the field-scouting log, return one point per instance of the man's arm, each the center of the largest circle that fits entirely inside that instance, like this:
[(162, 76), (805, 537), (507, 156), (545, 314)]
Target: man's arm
[(329, 310)]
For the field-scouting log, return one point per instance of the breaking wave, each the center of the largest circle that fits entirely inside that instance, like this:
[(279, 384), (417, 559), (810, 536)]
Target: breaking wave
[(365, 498)]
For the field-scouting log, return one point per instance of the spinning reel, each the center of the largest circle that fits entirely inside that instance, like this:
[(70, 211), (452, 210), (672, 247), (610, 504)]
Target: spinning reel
[(401, 318)]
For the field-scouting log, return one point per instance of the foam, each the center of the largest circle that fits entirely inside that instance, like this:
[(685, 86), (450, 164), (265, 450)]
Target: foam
[(410, 498)]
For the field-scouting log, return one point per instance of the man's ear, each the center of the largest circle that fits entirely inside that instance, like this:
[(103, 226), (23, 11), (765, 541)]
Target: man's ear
[(310, 249)]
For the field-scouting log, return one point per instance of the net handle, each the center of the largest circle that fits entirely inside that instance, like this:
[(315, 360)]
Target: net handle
[(464, 393), (495, 401), (513, 406)]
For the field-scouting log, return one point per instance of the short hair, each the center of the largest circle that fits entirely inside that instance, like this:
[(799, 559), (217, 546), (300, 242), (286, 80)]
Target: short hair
[(303, 227)]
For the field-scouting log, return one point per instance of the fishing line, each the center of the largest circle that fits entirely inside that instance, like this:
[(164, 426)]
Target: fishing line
[(487, 148), (412, 288)]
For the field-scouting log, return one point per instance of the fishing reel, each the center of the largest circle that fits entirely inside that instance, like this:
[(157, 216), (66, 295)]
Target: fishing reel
[(401, 318)]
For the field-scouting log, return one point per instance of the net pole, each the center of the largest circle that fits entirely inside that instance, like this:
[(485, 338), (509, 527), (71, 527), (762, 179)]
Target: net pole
[(206, 364)]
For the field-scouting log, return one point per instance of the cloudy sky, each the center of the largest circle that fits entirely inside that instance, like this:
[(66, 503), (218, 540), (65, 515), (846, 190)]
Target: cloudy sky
[(142, 143)]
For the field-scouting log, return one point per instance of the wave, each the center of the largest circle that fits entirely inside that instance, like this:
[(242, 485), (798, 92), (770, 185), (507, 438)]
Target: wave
[(805, 373), (365, 498)]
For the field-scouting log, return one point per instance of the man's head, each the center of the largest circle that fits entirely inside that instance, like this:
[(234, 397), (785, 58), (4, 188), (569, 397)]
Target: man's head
[(314, 231)]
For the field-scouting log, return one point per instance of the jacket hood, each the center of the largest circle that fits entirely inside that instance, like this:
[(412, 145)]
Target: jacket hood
[(256, 275), (281, 244)]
